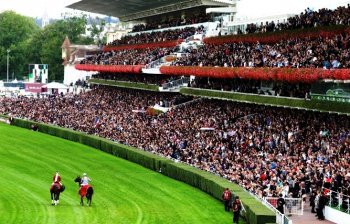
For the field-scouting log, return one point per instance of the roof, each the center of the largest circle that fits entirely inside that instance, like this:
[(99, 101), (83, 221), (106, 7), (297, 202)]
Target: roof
[(127, 10), (55, 85)]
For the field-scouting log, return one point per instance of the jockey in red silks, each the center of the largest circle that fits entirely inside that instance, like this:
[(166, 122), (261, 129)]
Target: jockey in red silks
[(84, 184), (56, 179)]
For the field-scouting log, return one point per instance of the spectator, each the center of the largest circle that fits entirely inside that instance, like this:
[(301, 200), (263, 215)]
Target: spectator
[(226, 197)]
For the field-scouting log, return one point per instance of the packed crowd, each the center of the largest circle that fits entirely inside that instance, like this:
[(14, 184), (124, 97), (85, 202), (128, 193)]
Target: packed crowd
[(233, 85), (253, 86), (127, 57), (264, 149), (295, 53), (194, 19), (160, 36), (306, 19)]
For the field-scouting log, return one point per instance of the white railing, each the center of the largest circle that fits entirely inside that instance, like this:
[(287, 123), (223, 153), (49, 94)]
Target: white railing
[(280, 218), (154, 64), (337, 200), (176, 83)]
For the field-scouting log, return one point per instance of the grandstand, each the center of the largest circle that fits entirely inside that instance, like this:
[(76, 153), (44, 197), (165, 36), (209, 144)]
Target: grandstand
[(298, 64)]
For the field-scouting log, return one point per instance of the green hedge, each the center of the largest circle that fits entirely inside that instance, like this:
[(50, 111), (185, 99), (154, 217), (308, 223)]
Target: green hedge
[(207, 182), (132, 85), (274, 101)]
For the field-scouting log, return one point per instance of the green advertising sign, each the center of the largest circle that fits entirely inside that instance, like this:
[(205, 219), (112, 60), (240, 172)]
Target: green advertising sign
[(335, 95)]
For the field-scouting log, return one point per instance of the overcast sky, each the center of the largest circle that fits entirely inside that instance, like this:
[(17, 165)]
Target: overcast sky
[(250, 8)]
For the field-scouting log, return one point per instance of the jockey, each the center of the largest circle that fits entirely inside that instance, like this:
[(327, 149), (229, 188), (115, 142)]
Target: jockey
[(85, 180), (56, 178)]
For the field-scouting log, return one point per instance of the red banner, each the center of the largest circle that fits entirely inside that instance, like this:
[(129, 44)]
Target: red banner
[(110, 68)]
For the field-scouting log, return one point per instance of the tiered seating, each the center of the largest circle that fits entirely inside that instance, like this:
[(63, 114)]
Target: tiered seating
[(306, 19), (264, 149), (295, 53)]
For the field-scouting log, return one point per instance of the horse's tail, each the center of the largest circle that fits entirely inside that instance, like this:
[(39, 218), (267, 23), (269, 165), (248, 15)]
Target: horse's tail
[(90, 191)]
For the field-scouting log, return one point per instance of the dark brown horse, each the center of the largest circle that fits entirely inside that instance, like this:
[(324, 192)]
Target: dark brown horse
[(84, 191), (55, 190)]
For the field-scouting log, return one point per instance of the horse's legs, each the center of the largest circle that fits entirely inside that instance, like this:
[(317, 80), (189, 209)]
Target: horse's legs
[(52, 198), (81, 201), (89, 200), (57, 198)]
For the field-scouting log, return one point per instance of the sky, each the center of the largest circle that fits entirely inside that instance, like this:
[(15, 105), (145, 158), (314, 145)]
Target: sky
[(247, 8)]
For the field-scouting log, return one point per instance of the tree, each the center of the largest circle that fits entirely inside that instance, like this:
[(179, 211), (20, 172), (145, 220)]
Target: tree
[(31, 45), (15, 32), (49, 41)]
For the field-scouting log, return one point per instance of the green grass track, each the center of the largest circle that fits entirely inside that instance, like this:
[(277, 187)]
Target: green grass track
[(124, 192)]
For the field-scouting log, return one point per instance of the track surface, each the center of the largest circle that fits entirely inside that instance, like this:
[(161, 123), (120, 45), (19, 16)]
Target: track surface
[(124, 192)]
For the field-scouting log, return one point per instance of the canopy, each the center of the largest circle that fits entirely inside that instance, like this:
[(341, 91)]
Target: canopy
[(55, 85)]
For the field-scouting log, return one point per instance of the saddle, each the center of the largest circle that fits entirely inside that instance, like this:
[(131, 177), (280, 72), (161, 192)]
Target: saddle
[(83, 190), (57, 185)]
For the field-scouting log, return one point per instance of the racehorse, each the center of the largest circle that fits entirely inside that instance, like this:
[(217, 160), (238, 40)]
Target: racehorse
[(84, 191), (55, 190)]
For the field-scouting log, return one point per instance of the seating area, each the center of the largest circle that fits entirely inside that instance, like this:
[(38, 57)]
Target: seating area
[(306, 19), (160, 36), (264, 149), (127, 57), (267, 150), (293, 53)]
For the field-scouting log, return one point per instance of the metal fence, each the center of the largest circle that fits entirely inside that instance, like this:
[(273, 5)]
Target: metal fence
[(337, 200), (293, 206), (176, 83), (271, 202)]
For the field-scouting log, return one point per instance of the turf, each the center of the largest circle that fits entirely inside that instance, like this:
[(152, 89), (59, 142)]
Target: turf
[(124, 192)]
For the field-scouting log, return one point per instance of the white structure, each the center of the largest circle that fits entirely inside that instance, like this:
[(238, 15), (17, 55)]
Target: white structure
[(45, 20), (72, 54), (117, 31), (56, 88), (336, 216)]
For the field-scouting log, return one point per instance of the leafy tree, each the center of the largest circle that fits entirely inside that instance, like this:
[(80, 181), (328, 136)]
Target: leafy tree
[(15, 32), (31, 45)]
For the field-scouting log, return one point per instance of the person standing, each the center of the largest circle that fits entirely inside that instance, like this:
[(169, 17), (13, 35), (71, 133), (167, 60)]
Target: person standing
[(236, 208), (317, 201), (312, 201), (321, 204), (280, 204), (226, 197)]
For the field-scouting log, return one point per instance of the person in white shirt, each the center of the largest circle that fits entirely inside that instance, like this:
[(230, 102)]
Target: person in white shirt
[(85, 180)]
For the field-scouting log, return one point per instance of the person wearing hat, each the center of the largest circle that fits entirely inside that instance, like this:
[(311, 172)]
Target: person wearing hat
[(85, 180), (56, 178)]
